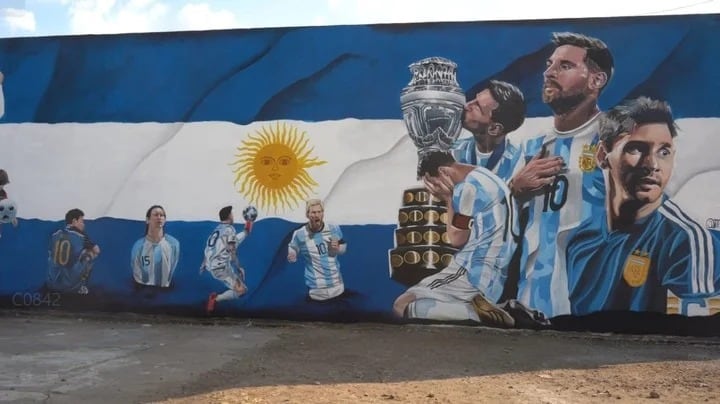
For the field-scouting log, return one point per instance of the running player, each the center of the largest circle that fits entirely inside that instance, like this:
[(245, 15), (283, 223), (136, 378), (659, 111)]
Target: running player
[(221, 258)]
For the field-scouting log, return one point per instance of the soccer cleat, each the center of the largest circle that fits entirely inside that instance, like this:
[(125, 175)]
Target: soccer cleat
[(211, 302), (490, 314), (524, 316)]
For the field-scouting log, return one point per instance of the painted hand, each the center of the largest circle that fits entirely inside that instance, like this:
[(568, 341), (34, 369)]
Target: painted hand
[(538, 173), (441, 187)]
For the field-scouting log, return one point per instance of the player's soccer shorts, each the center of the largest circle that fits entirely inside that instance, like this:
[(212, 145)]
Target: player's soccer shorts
[(68, 280), (228, 276), (321, 294), (449, 285)]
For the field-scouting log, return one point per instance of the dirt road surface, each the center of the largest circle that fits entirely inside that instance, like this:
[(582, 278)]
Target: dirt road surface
[(74, 358)]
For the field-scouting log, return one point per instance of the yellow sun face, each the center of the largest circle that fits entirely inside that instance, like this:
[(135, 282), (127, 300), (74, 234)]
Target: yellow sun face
[(275, 166), (271, 168)]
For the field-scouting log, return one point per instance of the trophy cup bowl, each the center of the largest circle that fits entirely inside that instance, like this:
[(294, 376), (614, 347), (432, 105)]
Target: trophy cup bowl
[(432, 106)]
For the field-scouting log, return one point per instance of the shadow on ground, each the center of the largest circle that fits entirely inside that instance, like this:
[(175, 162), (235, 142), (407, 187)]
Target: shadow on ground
[(71, 357)]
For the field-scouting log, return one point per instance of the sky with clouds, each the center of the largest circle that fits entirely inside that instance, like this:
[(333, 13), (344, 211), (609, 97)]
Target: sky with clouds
[(68, 17)]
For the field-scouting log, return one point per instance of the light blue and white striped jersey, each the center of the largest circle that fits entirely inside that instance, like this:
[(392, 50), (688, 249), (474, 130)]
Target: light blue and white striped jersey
[(576, 195), (2, 101), (154, 264), (217, 254), (321, 269), (465, 151), (485, 198)]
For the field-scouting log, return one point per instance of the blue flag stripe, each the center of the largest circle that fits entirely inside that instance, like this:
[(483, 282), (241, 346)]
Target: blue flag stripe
[(328, 73)]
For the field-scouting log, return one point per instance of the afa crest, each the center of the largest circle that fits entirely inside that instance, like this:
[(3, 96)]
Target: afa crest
[(587, 158), (636, 268)]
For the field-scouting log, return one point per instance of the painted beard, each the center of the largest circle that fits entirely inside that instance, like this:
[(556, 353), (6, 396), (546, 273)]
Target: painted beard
[(565, 103), (316, 225), (561, 102)]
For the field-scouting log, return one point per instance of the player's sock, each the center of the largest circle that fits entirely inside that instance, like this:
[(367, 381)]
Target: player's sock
[(227, 295), (210, 307), (443, 311)]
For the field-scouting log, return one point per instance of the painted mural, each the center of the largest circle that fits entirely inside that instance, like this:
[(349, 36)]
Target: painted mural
[(544, 174)]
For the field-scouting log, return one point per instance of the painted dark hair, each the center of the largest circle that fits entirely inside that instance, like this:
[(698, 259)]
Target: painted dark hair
[(597, 55), (511, 105), (73, 214), (225, 213), (624, 118), (431, 162), (147, 216)]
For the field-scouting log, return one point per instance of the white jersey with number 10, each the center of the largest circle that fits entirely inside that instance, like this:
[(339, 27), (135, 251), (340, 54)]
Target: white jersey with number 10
[(577, 194)]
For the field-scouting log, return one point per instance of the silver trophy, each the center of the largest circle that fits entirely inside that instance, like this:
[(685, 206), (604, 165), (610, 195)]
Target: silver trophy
[(432, 105)]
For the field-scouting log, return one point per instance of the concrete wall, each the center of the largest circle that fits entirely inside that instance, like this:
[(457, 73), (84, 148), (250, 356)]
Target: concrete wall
[(115, 124)]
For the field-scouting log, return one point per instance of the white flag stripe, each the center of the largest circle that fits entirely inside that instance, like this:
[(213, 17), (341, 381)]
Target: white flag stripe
[(118, 170)]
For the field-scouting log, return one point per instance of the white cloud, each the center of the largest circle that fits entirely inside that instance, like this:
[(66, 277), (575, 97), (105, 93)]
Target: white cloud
[(119, 16), (116, 16), (199, 16), (17, 20), (398, 11)]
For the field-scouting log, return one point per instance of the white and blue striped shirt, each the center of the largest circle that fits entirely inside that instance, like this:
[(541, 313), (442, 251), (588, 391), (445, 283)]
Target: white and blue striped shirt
[(154, 264), (465, 151), (321, 269), (576, 195), (485, 198), (217, 253)]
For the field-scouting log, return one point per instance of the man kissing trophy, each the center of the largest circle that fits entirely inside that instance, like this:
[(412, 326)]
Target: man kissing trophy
[(432, 105)]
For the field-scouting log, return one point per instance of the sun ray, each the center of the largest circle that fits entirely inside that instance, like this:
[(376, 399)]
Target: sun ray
[(285, 198), (267, 197), (306, 179), (248, 179), (299, 190)]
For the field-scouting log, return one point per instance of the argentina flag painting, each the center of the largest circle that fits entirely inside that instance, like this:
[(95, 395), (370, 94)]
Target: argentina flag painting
[(534, 173)]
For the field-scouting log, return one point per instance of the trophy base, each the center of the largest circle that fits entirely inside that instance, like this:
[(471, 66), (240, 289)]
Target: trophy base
[(410, 265)]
